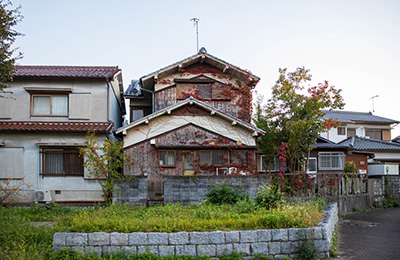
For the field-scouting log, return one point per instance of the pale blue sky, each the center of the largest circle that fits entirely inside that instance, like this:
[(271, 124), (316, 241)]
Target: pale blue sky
[(352, 44)]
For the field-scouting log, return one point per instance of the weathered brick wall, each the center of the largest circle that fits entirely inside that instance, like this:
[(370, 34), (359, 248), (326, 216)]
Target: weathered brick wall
[(193, 189), (132, 192), (278, 243)]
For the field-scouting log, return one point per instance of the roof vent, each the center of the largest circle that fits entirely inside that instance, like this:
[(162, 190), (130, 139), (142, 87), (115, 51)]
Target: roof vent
[(203, 50)]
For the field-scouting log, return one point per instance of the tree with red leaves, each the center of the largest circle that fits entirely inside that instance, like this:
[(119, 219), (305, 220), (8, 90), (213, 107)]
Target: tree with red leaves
[(294, 116)]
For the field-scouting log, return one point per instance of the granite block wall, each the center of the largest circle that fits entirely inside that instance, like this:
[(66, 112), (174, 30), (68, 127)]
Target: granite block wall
[(274, 242)]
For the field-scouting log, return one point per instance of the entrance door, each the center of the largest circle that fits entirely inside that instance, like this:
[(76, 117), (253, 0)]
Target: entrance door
[(188, 163)]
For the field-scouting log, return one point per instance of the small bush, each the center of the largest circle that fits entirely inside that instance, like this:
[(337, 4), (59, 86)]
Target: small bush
[(225, 194), (306, 249), (269, 197)]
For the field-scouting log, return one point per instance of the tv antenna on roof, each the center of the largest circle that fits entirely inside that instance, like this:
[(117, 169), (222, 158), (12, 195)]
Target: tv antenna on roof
[(196, 24), (373, 98)]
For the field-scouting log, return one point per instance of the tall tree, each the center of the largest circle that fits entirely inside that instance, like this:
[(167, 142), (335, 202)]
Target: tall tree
[(8, 19), (294, 114)]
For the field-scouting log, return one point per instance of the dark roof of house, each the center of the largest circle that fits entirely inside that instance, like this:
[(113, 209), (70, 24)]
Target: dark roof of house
[(202, 54), (66, 71), (134, 89), (357, 117), (80, 127), (362, 143)]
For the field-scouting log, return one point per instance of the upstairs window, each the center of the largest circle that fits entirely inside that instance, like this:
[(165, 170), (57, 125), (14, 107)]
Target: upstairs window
[(351, 132), (62, 162), (137, 114), (374, 134), (330, 161), (49, 105), (341, 130), (312, 165)]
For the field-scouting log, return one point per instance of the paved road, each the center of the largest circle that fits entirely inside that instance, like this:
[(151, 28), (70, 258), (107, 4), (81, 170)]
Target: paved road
[(370, 235)]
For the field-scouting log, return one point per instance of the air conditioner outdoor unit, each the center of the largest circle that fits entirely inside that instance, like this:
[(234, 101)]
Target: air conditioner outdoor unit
[(42, 196)]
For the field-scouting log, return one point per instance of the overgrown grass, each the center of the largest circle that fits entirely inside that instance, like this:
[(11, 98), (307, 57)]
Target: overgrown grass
[(205, 217), (19, 239)]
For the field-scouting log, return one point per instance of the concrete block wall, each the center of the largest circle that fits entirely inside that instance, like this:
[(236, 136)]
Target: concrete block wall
[(132, 192), (193, 189), (274, 242)]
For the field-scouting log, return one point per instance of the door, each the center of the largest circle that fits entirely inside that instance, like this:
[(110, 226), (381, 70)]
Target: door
[(188, 163)]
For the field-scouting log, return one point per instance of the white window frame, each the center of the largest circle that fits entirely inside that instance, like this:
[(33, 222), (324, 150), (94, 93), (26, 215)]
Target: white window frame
[(340, 155), (308, 164)]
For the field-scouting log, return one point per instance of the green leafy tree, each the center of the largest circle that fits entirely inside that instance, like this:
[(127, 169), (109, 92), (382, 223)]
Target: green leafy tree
[(294, 114), (8, 19), (105, 163)]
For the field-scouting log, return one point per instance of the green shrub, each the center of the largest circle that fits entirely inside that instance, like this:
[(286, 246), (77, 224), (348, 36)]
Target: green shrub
[(225, 194), (306, 249), (269, 197)]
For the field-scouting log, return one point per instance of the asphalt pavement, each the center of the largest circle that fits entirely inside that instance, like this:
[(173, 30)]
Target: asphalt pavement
[(374, 234)]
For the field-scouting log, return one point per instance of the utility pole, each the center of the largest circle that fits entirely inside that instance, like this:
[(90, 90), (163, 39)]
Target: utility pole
[(196, 24), (373, 98)]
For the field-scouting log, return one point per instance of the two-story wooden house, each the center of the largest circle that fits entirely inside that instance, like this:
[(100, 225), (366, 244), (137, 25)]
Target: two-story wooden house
[(44, 117), (192, 117)]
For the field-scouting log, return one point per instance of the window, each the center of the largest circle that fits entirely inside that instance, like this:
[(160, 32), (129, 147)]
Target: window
[(49, 105), (61, 162), (211, 158), (351, 132), (312, 165), (239, 157), (374, 134), (137, 114), (263, 165), (341, 130), (330, 161), (167, 158)]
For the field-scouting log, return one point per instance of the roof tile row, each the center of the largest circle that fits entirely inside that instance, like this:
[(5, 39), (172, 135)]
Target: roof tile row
[(103, 127)]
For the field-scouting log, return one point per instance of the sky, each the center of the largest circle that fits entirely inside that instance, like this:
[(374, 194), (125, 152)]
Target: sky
[(354, 45)]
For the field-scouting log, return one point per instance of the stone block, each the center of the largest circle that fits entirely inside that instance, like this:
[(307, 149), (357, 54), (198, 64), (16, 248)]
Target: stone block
[(274, 248), (147, 249), (281, 256), (242, 248), (280, 235), (77, 239), (180, 238), (107, 250), (232, 236), (199, 238), (137, 238), (119, 239), (317, 233), (264, 235), (60, 239), (224, 249), (186, 250), (157, 238), (99, 239), (289, 247), (166, 250), (259, 248), (321, 245), (94, 250), (78, 249), (129, 250), (293, 234), (217, 237), (210, 250), (248, 236)]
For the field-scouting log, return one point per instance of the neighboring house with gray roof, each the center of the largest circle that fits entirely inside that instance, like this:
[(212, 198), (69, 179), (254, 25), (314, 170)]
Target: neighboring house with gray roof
[(387, 154), (363, 124), (44, 117)]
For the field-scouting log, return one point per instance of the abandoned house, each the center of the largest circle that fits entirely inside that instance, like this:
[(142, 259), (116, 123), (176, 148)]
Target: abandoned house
[(190, 118), (44, 117)]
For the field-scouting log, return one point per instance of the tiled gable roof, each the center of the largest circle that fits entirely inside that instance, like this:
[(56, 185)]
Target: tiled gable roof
[(76, 127), (361, 143), (67, 71), (357, 117)]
